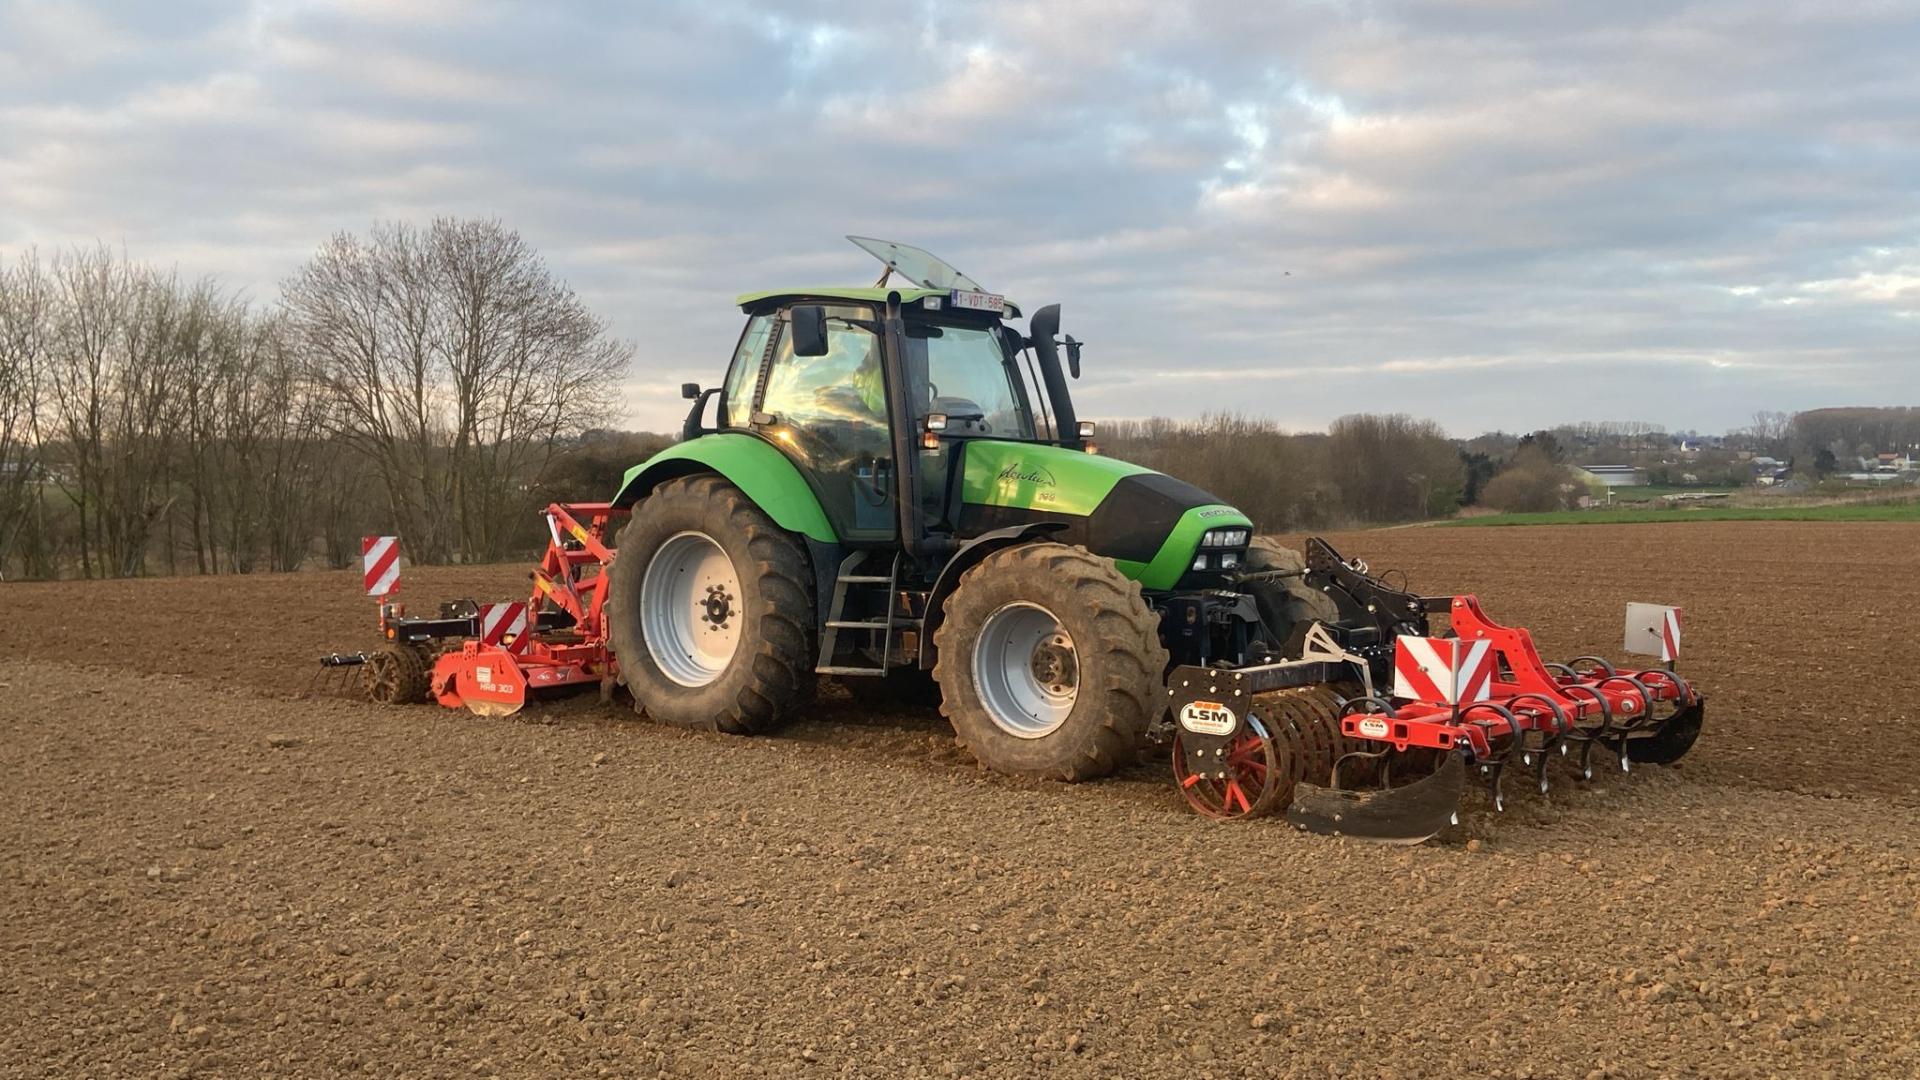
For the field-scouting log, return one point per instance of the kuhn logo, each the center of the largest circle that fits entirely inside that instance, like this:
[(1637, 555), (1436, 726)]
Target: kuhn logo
[(1023, 473)]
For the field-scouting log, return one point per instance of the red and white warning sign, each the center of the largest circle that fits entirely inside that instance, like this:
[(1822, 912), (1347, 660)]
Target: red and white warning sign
[(501, 621), (380, 561), (1442, 671), (1653, 630)]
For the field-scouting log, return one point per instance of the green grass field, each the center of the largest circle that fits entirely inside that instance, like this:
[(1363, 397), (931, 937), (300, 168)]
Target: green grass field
[(1902, 511)]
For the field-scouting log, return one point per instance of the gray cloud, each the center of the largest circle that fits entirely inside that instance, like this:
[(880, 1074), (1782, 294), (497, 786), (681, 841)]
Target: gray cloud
[(1487, 213)]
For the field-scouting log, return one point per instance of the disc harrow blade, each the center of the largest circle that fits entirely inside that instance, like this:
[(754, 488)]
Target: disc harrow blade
[(1402, 815)]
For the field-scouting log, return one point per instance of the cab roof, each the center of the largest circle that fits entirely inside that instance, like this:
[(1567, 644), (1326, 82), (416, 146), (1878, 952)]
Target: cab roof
[(870, 295)]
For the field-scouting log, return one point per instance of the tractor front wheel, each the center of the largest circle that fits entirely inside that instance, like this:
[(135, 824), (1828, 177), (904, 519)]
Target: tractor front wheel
[(710, 610), (1285, 600), (1050, 663)]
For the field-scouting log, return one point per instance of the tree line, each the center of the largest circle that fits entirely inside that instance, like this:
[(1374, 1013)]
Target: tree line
[(441, 383), (1366, 468), (418, 379)]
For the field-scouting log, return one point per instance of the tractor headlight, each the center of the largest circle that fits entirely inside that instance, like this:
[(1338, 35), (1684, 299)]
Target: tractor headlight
[(1229, 560), (1200, 561), (1226, 538)]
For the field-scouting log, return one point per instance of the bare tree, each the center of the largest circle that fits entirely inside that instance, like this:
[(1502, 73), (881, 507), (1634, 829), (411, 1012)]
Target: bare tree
[(92, 295), (455, 361), (1394, 468), (284, 444), (26, 303), (1772, 431)]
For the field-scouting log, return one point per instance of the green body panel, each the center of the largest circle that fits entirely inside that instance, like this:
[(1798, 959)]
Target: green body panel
[(1176, 554), (763, 473), (1053, 480), (1031, 476), (1048, 480)]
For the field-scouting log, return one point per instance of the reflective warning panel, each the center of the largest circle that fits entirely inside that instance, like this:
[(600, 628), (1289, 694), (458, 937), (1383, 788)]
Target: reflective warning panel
[(1442, 671), (1653, 630)]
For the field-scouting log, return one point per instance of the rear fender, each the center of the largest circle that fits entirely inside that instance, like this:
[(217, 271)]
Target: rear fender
[(964, 560), (749, 463)]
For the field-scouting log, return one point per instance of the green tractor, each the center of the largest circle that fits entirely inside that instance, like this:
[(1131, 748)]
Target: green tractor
[(892, 487)]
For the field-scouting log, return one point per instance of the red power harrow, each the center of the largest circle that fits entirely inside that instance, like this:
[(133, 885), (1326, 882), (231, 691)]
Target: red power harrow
[(491, 657)]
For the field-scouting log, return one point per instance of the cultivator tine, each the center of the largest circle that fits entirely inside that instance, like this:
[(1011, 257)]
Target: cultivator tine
[(339, 674), (1491, 773), (1540, 756), (1403, 815)]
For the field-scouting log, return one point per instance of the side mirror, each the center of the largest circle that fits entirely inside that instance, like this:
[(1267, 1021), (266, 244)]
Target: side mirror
[(689, 390), (809, 326), (1073, 357)]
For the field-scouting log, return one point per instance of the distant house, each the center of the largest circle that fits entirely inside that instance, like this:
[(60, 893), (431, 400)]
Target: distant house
[(1880, 466), (1615, 475)]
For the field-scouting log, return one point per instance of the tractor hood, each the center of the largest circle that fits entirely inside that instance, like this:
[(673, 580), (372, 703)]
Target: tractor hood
[(1148, 523)]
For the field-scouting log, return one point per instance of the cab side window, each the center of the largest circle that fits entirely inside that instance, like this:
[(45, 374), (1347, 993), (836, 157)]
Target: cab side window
[(830, 415), (737, 401)]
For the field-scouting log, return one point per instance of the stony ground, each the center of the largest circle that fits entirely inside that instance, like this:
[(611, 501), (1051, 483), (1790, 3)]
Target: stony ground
[(203, 873)]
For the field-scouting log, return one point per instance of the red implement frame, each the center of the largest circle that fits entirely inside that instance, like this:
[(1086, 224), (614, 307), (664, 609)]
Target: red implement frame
[(496, 679), (1526, 694)]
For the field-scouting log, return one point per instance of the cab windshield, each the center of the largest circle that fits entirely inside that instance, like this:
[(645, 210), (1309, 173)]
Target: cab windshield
[(963, 371)]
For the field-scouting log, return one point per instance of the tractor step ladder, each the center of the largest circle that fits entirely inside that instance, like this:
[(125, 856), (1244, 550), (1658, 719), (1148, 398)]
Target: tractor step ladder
[(849, 576)]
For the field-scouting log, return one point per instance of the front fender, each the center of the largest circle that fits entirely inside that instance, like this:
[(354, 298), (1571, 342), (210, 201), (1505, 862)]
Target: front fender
[(963, 560), (763, 473)]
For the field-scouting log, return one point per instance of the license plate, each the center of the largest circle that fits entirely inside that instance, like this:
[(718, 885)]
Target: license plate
[(977, 301)]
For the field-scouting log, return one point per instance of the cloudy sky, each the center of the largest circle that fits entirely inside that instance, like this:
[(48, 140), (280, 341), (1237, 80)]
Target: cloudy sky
[(1494, 214)]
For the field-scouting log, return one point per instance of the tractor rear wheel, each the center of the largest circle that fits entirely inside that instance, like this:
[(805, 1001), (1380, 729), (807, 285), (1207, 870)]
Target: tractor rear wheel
[(1285, 602), (1050, 663), (710, 610)]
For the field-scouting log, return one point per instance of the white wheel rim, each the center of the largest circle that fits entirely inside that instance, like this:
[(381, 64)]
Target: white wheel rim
[(690, 610), (1026, 670)]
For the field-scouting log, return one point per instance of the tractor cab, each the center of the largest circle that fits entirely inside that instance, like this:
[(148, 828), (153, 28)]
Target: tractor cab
[(815, 374)]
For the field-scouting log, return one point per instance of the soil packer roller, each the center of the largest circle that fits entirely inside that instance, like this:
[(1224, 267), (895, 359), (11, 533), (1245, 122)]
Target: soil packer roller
[(891, 488)]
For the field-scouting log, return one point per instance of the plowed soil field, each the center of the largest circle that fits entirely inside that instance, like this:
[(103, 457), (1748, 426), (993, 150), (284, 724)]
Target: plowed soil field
[(205, 873)]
